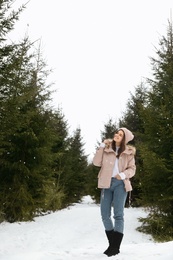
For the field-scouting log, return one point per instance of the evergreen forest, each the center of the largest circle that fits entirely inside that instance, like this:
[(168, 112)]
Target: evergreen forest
[(44, 168)]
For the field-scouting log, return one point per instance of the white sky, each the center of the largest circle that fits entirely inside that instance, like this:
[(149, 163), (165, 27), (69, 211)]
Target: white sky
[(99, 51), (77, 233)]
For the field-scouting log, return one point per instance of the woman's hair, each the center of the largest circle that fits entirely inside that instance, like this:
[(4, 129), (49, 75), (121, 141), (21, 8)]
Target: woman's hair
[(122, 145)]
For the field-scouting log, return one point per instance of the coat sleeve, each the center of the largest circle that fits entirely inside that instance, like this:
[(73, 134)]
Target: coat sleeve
[(97, 160)]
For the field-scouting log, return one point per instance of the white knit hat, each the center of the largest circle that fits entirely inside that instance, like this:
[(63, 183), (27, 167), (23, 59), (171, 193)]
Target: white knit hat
[(128, 134)]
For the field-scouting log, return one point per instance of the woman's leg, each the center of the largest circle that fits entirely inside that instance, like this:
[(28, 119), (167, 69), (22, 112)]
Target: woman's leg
[(105, 207), (119, 199)]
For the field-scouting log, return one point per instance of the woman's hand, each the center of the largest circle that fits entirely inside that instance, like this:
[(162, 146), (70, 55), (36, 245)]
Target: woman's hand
[(107, 142), (118, 177)]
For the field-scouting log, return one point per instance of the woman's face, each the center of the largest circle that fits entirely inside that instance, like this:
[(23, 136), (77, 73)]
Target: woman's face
[(118, 137)]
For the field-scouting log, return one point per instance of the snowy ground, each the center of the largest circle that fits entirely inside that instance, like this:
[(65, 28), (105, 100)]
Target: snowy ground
[(77, 233)]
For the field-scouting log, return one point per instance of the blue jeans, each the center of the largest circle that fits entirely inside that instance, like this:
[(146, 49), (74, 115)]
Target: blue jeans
[(114, 197)]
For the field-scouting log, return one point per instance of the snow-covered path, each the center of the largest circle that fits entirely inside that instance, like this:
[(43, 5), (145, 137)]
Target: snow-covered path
[(77, 233)]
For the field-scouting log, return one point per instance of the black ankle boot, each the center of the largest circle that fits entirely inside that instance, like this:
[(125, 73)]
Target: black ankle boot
[(109, 234), (114, 248)]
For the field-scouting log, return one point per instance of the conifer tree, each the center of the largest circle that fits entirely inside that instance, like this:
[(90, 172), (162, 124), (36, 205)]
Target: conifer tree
[(59, 149), (74, 175), (109, 129), (92, 182), (25, 136), (132, 118), (157, 146), (26, 144)]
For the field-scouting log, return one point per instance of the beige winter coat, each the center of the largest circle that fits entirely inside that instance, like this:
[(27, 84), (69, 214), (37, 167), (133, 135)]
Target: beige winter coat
[(105, 158)]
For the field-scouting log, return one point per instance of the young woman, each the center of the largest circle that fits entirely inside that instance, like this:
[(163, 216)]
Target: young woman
[(117, 162)]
